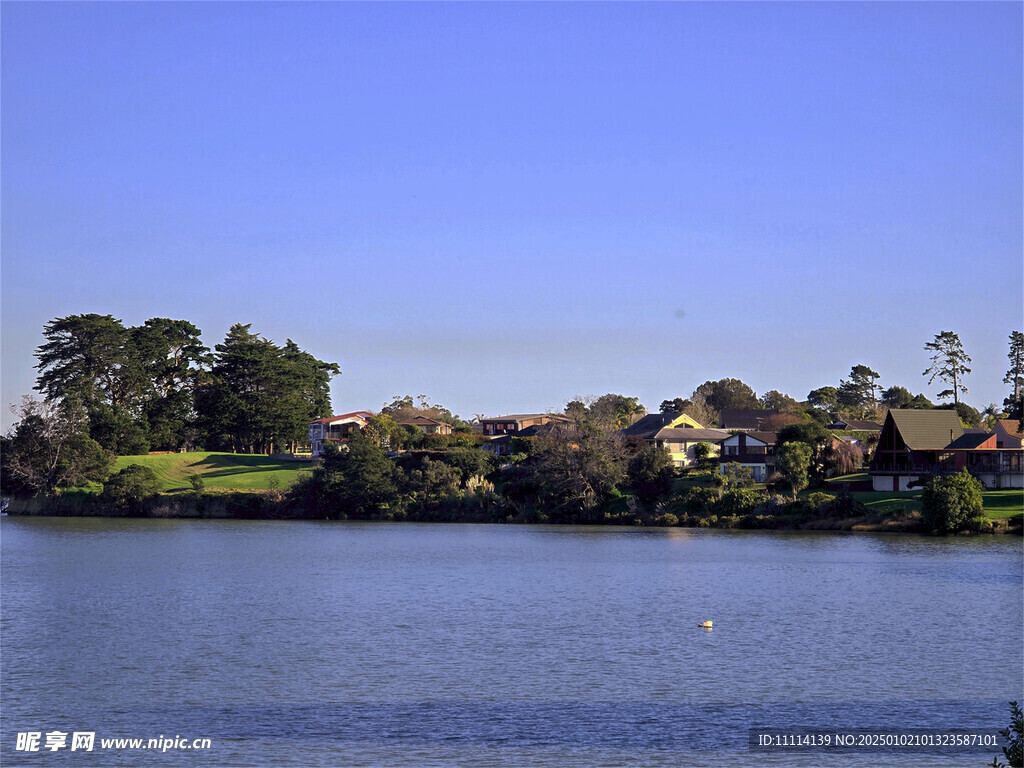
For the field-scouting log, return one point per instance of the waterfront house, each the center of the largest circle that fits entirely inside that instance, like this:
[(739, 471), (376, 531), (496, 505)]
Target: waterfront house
[(916, 445), (516, 423), (1008, 433), (679, 433), (427, 425), (753, 450), (335, 429), (855, 425)]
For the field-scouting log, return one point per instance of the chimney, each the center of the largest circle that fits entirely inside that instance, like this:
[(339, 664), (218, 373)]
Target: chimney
[(951, 436)]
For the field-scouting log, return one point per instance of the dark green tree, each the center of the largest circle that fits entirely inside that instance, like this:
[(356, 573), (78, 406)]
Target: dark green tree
[(812, 434), (825, 398), (952, 502), (355, 481), (727, 393), (900, 397), (793, 461), (126, 491), (650, 472), (949, 364)]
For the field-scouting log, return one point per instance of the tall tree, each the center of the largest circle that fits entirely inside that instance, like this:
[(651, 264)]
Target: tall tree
[(949, 364), (1015, 375), (727, 393), (170, 357), (859, 391), (826, 398)]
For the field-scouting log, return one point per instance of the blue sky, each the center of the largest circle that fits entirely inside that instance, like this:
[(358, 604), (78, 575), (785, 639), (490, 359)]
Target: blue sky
[(504, 206)]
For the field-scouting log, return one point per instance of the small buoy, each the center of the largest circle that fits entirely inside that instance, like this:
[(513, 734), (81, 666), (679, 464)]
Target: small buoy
[(705, 625)]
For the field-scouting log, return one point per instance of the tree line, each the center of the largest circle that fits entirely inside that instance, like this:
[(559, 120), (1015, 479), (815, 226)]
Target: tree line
[(112, 389)]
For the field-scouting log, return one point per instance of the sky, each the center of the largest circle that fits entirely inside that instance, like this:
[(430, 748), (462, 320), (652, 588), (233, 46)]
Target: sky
[(505, 206)]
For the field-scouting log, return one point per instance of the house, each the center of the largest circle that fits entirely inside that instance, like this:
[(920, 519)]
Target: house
[(1008, 434), (753, 450), (678, 432), (747, 420), (916, 445), (427, 425), (502, 444), (516, 423), (501, 429), (334, 429)]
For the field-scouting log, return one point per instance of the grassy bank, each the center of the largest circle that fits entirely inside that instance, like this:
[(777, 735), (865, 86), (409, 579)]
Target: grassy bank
[(224, 471), (999, 505)]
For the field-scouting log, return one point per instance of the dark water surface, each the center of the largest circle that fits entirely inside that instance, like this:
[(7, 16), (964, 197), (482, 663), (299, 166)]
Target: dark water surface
[(350, 644)]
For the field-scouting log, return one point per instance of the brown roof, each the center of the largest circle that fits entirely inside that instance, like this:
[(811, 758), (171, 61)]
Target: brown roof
[(523, 417), (1011, 427), (927, 430), (971, 440), (417, 420), (735, 418)]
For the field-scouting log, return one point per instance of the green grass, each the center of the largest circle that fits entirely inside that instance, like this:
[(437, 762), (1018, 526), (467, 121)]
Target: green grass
[(225, 471), (999, 505)]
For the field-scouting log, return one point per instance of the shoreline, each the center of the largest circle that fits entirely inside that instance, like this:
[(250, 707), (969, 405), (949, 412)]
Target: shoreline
[(273, 505)]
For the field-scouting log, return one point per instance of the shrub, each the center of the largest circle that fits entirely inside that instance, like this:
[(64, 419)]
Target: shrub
[(128, 489), (1014, 735), (952, 503), (739, 501), (666, 519)]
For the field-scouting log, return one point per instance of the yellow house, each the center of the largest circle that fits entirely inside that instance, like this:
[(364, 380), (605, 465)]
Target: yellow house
[(677, 432)]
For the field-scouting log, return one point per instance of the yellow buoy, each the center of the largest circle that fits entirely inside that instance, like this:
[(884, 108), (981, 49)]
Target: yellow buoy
[(705, 625)]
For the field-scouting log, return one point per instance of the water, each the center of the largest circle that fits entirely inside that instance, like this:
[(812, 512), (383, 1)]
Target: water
[(361, 644)]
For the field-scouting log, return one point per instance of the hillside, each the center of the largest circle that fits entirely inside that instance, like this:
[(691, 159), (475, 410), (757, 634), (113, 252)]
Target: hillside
[(227, 471)]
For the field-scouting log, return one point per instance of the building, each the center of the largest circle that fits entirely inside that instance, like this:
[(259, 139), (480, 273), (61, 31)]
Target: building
[(677, 432), (753, 450), (427, 425), (916, 445), (747, 420), (516, 423), (335, 429)]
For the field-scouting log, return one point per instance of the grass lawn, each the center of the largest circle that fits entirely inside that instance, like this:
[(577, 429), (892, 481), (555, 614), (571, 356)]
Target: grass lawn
[(999, 505), (228, 471)]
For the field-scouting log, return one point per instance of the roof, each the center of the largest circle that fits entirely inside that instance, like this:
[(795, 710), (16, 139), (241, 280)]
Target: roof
[(768, 438), (1010, 427), (970, 440), (648, 426), (354, 415), (858, 425), (692, 435), (926, 430), (416, 420), (523, 417), (735, 418)]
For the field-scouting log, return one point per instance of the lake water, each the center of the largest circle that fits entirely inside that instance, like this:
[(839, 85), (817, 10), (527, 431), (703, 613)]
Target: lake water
[(361, 644)]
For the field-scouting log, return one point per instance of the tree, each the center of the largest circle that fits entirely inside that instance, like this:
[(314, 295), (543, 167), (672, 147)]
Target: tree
[(128, 489), (825, 398), (773, 400), (675, 405), (793, 461), (949, 364), (49, 448), (607, 413), (859, 391), (404, 408), (819, 439), (650, 472), (259, 395), (950, 503), (356, 480), (170, 356), (576, 469), (900, 397), (1013, 734), (1015, 375), (727, 393)]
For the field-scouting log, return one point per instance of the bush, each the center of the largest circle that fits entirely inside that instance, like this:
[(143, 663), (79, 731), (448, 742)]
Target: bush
[(129, 488), (667, 519), (1014, 735), (739, 501), (952, 503)]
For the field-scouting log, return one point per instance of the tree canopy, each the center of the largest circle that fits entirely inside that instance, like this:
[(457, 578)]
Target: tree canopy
[(949, 364)]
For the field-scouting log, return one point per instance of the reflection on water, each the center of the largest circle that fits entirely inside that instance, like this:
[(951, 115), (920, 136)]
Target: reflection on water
[(398, 644)]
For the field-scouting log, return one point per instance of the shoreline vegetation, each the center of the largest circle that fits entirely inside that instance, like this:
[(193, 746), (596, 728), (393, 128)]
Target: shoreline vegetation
[(209, 485)]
